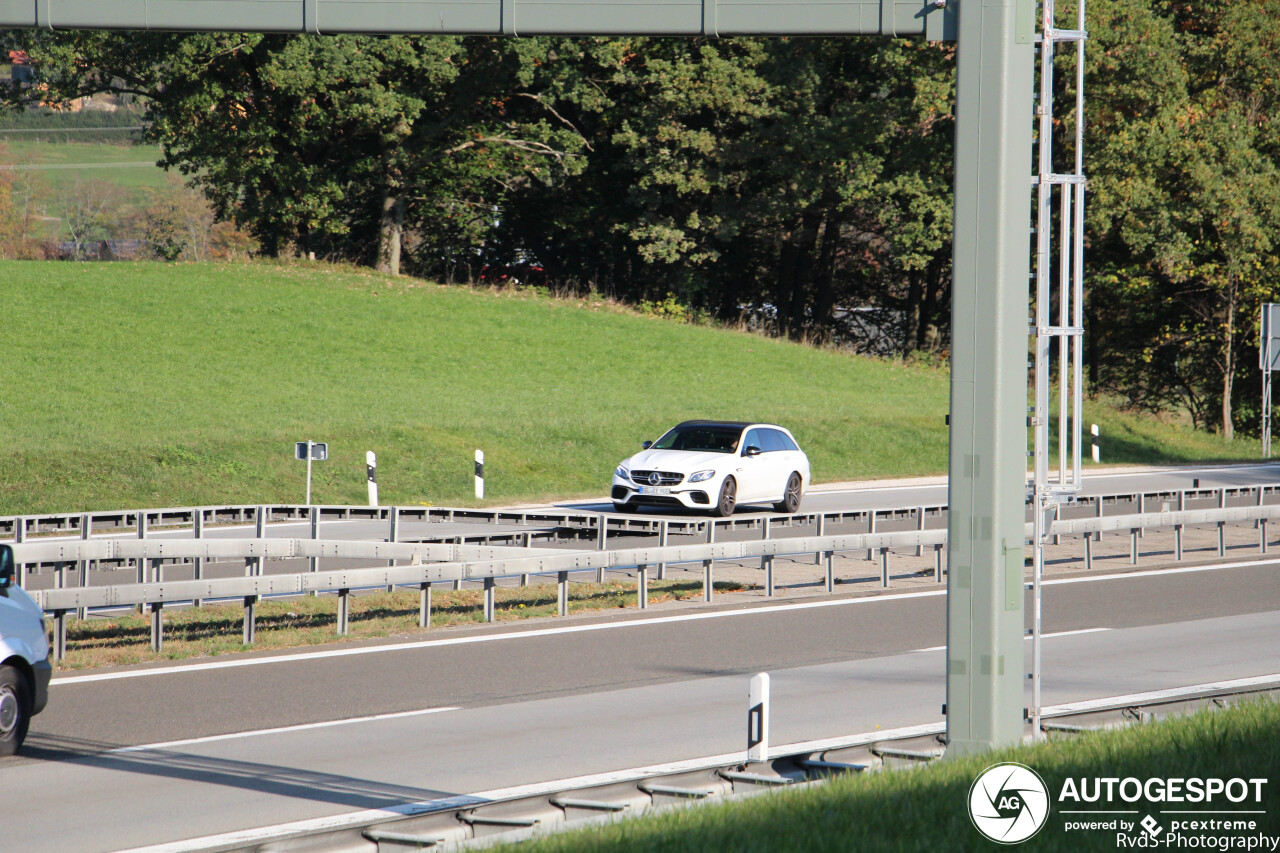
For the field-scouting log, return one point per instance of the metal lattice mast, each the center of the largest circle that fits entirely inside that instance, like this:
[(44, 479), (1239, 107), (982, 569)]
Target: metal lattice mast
[(1050, 490)]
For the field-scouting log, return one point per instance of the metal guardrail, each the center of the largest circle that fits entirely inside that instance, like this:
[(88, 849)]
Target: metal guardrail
[(251, 588), (457, 563)]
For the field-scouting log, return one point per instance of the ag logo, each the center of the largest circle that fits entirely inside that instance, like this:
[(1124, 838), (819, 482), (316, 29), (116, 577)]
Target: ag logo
[(1008, 803)]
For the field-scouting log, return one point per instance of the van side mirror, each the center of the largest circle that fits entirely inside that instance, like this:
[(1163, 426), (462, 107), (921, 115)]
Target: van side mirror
[(751, 450), (6, 567), (646, 445)]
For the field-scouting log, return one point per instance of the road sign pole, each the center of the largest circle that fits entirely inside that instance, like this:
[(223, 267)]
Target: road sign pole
[(988, 465), (310, 444)]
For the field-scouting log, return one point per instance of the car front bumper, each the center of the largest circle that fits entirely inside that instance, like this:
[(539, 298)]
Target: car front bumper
[(687, 495)]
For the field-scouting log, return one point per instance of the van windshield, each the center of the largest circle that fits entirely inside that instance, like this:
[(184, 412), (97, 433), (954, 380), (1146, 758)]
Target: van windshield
[(716, 439)]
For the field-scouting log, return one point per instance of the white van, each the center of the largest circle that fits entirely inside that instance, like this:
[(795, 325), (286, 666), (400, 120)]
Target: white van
[(24, 658)]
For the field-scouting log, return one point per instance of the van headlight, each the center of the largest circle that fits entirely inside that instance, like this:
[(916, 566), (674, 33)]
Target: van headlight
[(701, 476)]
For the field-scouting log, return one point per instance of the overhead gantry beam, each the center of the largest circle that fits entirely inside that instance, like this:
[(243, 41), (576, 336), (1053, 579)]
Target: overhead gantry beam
[(496, 17)]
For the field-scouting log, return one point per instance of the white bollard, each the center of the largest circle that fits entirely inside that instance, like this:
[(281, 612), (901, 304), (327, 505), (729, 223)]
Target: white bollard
[(479, 475), (758, 718), (1097, 454), (371, 471)]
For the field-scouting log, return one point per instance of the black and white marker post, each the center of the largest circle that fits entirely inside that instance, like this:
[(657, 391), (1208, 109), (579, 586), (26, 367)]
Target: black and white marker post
[(758, 718), (479, 475), (371, 471), (1097, 453)]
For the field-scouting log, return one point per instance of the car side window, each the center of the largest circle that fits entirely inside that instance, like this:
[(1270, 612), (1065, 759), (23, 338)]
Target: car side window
[(753, 439), (772, 441), (784, 441)]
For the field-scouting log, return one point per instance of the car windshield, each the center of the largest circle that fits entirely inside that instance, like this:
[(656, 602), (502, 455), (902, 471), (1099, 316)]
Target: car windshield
[(716, 439)]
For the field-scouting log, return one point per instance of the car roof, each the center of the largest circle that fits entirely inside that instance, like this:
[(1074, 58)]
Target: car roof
[(736, 424)]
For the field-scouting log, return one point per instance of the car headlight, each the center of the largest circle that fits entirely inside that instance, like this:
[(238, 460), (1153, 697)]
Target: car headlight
[(623, 473), (700, 476)]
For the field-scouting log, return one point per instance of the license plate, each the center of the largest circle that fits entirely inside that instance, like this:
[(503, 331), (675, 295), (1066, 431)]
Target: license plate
[(654, 490)]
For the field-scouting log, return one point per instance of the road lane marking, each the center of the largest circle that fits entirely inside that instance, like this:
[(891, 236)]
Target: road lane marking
[(303, 727), (608, 626), (1042, 636), (366, 817)]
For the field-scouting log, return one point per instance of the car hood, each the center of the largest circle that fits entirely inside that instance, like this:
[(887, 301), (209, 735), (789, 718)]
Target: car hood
[(684, 461)]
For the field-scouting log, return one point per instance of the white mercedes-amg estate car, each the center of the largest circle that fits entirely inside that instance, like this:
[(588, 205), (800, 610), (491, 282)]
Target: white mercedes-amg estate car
[(715, 465)]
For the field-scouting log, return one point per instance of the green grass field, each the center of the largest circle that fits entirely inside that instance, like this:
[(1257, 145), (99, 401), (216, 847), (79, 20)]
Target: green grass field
[(925, 809), (131, 385)]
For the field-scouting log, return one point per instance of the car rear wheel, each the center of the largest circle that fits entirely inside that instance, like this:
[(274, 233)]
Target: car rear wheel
[(728, 498), (15, 709), (791, 497)]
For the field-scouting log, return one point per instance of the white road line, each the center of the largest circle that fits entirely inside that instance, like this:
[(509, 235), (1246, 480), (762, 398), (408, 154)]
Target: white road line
[(280, 730), (605, 626), (1042, 636), (248, 837)]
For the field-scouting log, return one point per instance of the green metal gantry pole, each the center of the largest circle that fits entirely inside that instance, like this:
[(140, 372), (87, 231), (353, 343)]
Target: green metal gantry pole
[(989, 302)]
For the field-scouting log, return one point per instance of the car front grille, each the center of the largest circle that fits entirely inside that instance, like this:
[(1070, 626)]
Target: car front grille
[(665, 478)]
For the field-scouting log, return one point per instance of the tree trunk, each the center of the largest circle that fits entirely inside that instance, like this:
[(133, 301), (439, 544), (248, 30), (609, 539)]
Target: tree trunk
[(1229, 363), (389, 233)]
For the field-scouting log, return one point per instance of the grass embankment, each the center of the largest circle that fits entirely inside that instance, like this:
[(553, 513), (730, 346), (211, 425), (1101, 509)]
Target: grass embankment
[(141, 385), (925, 809), (306, 621)]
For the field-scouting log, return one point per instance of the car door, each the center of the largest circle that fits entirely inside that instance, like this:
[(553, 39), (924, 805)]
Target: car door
[(784, 458), (753, 471)]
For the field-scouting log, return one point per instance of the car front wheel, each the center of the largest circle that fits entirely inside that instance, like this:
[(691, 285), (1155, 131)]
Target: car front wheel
[(791, 497), (728, 498), (15, 709)]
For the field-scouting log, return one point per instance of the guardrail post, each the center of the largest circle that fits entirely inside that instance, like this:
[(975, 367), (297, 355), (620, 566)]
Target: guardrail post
[(488, 599), (920, 527), (937, 564), (60, 576), (1133, 545), (871, 528), (884, 568), (393, 536), (766, 563), (20, 536), (313, 563), (1177, 542), (424, 605), (662, 543), (602, 536), (86, 531), (60, 634), (1222, 525), (250, 619), (1088, 550), (831, 579), (562, 593), (822, 531), (1097, 537), (344, 611), (1262, 540), (528, 543), (707, 580), (764, 536), (197, 532), (157, 626), (642, 586), (1142, 510)]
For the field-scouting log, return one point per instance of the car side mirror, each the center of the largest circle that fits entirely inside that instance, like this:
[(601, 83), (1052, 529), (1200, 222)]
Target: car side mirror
[(646, 445), (751, 450), (6, 567)]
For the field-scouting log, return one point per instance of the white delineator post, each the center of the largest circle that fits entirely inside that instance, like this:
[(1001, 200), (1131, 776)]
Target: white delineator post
[(371, 471), (479, 475), (1097, 453), (758, 718)]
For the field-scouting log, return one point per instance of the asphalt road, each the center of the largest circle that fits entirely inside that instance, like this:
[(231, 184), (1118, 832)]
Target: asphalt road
[(581, 696)]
